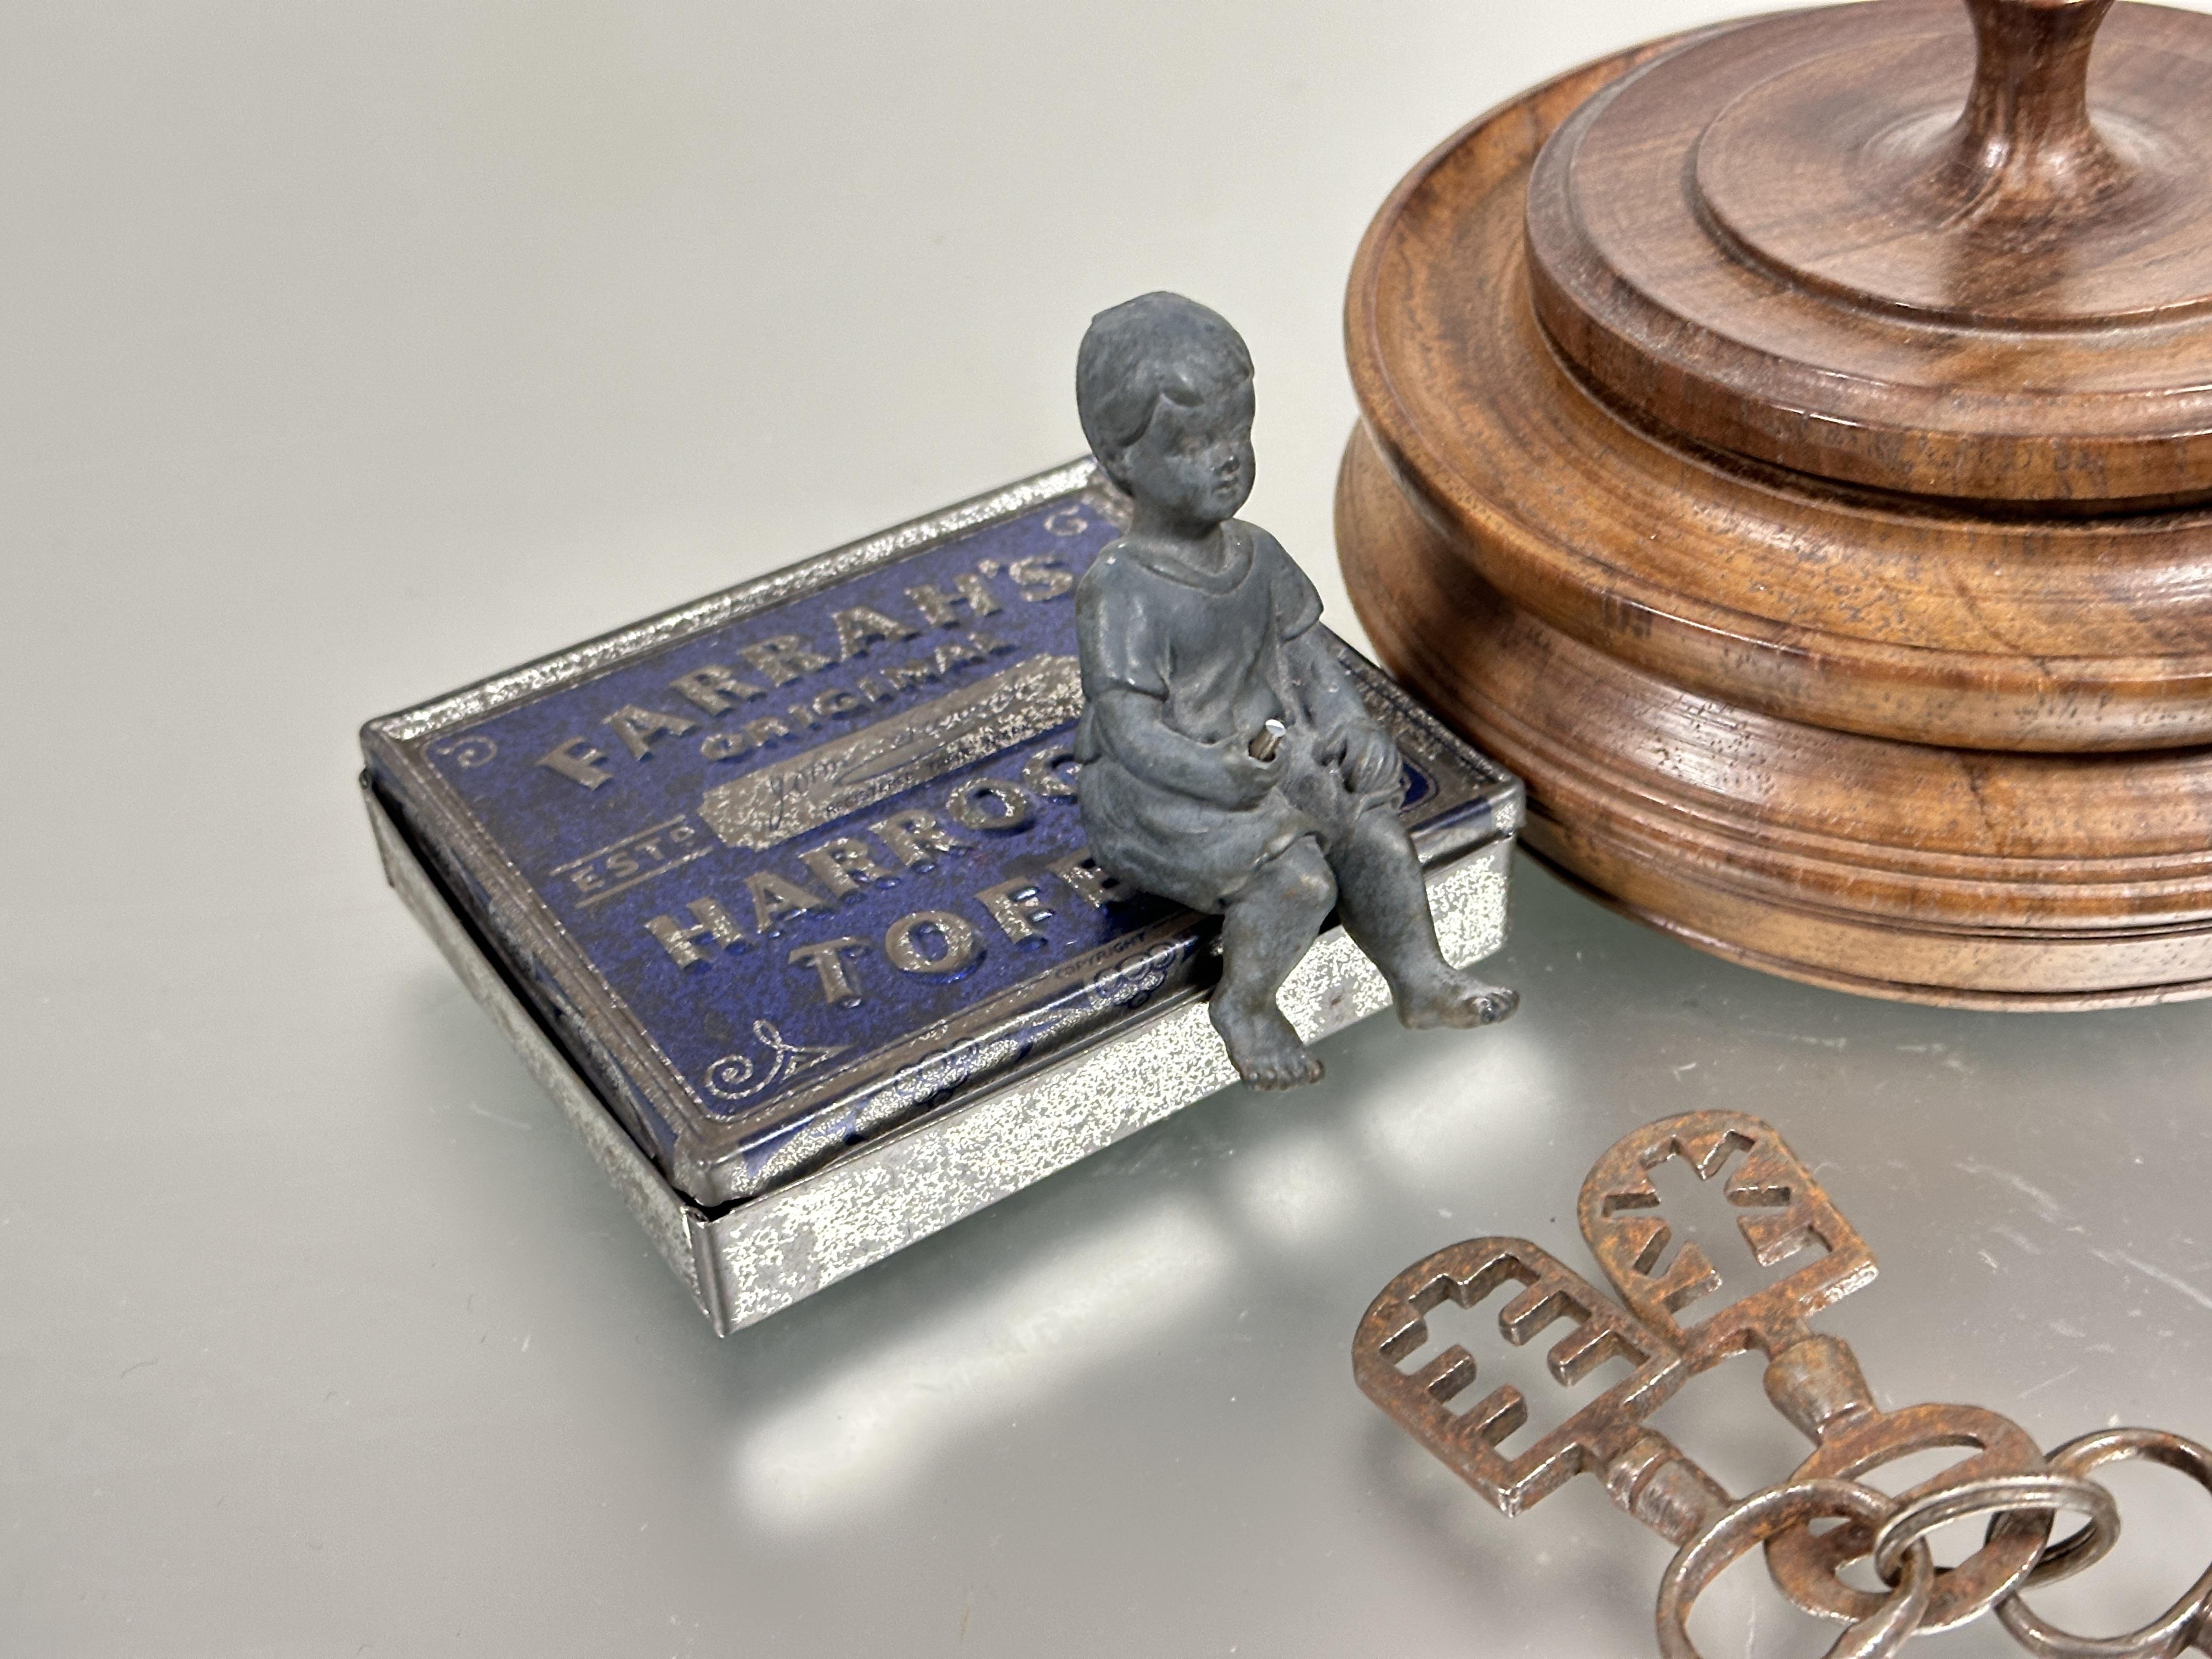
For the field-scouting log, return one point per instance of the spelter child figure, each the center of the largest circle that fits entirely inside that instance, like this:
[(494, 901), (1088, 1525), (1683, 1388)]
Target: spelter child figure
[(1227, 762)]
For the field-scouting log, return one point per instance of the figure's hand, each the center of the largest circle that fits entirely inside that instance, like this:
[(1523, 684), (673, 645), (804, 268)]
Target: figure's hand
[(1369, 759), (1246, 781)]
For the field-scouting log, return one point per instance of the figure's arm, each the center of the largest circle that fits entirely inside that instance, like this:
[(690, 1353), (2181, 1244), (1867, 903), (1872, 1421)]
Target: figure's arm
[(1130, 725), (1349, 734), (1332, 700)]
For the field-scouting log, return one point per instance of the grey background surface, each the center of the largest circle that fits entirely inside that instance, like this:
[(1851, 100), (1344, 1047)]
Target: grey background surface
[(353, 352)]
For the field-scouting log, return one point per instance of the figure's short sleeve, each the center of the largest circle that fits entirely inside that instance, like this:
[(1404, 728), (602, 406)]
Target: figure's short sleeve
[(1297, 601), (1118, 643)]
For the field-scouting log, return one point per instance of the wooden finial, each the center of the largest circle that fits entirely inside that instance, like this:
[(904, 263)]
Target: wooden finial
[(2026, 146)]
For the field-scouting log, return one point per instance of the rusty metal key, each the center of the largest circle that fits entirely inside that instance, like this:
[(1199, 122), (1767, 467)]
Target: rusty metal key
[(1815, 1381), (1786, 1211), (1812, 1378), (1646, 1474)]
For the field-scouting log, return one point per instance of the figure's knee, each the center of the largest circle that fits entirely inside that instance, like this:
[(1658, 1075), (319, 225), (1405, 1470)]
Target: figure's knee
[(1379, 833), (1299, 875)]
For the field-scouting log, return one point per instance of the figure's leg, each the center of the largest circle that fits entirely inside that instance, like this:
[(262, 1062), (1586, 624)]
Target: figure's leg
[(1385, 906), (1264, 931)]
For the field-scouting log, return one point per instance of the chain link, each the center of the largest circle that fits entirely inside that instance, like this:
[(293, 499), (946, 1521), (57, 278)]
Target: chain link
[(2187, 1621), (1804, 1565), (1999, 1495), (1743, 1527)]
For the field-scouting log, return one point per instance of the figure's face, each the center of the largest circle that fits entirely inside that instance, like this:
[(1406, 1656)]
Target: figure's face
[(1194, 462)]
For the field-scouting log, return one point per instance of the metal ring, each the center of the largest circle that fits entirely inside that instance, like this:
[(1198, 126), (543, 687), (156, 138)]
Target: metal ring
[(2170, 1634), (1804, 1564), (2002, 1494), (1738, 1530)]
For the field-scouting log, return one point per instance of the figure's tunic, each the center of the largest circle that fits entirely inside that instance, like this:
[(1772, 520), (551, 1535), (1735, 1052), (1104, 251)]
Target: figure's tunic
[(1211, 650)]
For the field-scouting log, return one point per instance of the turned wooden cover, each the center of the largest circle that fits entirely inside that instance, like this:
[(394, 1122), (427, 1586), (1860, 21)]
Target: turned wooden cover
[(1789, 446), (1665, 485), (1867, 243)]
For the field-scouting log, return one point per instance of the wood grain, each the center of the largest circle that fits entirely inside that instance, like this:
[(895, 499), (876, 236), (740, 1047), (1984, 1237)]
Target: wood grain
[(1882, 730), (1973, 289), (1895, 869), (1811, 602)]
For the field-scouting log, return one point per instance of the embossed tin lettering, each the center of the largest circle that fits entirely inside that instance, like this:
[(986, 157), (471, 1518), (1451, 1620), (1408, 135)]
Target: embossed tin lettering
[(792, 866)]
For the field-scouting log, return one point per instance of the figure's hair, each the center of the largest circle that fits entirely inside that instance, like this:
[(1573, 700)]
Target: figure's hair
[(1156, 345)]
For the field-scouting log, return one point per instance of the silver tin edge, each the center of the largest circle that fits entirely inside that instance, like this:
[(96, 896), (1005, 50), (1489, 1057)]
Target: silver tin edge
[(758, 1257), (675, 1226)]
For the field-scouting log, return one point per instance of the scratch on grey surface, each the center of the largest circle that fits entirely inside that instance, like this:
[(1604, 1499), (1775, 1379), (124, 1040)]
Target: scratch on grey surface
[(1798, 1036), (2049, 1208), (2121, 1259), (140, 1365), (512, 1123), (1989, 1260), (2018, 1240), (2038, 1388)]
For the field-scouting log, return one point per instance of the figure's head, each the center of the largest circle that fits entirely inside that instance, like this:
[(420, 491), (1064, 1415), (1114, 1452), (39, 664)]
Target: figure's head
[(1163, 388)]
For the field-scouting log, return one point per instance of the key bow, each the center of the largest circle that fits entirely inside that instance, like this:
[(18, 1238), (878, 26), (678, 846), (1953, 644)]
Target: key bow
[(1787, 1211)]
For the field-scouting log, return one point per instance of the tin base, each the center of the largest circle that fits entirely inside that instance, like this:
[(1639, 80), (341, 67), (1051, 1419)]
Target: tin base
[(746, 1261)]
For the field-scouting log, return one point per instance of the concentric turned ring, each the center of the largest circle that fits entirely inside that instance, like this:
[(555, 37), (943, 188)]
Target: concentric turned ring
[(1781, 241)]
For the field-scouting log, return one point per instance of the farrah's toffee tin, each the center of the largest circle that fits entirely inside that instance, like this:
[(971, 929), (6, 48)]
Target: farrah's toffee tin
[(784, 896)]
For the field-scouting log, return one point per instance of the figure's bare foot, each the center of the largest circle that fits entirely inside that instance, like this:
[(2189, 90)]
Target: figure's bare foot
[(1460, 1000), (1263, 1046)]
